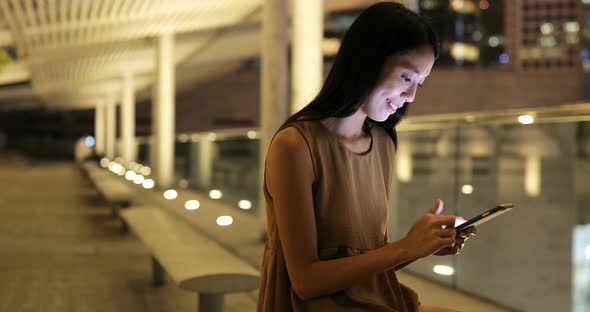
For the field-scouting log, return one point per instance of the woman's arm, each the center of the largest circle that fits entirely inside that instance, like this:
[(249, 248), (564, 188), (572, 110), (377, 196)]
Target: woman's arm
[(289, 178)]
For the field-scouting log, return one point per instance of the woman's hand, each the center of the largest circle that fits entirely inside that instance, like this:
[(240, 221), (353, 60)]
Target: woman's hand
[(431, 232), (460, 240)]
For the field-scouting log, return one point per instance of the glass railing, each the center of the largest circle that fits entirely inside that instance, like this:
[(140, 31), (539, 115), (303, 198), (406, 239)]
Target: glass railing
[(223, 165), (542, 168)]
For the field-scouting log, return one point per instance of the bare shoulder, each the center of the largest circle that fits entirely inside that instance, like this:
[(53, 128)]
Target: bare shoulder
[(289, 142), (288, 159)]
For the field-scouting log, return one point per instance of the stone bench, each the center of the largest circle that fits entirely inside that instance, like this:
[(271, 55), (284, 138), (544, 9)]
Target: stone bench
[(115, 190), (194, 262)]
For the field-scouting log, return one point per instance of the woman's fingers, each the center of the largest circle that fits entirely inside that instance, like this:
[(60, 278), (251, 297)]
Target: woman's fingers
[(468, 232), (444, 221), (447, 232), (460, 241)]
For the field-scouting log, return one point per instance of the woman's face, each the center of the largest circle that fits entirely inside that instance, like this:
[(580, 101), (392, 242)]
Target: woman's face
[(397, 85)]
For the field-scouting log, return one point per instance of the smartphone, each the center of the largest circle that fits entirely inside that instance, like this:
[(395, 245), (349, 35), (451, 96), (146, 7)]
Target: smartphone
[(485, 217)]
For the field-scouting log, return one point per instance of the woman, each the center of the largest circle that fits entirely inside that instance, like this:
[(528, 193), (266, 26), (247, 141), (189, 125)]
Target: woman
[(328, 173)]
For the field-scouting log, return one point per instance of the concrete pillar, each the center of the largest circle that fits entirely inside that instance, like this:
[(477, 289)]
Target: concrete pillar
[(99, 128), (163, 121), (202, 154), (306, 51), (413, 5), (111, 127), (128, 150), (273, 106)]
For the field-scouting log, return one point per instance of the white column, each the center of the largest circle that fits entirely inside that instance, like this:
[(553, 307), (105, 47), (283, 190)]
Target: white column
[(274, 104), (413, 5), (202, 154), (128, 118), (99, 128), (111, 126), (306, 51), (163, 112)]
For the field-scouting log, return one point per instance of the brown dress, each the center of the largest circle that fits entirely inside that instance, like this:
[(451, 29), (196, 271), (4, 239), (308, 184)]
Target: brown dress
[(351, 200)]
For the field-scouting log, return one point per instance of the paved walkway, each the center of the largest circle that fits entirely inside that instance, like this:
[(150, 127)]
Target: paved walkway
[(61, 250)]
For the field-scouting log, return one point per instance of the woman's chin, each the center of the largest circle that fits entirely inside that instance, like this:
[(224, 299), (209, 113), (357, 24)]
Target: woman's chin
[(382, 118)]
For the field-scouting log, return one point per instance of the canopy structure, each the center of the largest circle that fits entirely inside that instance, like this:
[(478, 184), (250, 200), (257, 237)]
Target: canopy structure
[(75, 52)]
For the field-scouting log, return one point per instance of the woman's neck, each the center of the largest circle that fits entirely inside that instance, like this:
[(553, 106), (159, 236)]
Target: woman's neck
[(348, 128)]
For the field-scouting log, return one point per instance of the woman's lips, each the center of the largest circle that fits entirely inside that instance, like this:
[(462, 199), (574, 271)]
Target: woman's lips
[(392, 105)]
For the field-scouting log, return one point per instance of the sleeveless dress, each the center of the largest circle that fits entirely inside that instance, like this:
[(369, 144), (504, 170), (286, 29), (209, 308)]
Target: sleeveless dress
[(351, 200)]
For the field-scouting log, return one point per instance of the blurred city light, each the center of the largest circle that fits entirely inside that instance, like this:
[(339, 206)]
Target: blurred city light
[(170, 194), (116, 168), (138, 179), (503, 58), (104, 162), (245, 204), (547, 28), (547, 41), (148, 184), (493, 41), (463, 51), (572, 27), (183, 183), (467, 189), (192, 204), (183, 138), (484, 4), (463, 6), (211, 136), (404, 163), (476, 35), (215, 194), (252, 134), (145, 170), (443, 270), (225, 220), (532, 175), (89, 141), (526, 119), (130, 175)]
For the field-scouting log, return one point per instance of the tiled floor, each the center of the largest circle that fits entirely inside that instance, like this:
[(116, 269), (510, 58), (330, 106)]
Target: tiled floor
[(61, 250)]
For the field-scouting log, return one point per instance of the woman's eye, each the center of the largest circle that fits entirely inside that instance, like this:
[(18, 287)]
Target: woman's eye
[(406, 79)]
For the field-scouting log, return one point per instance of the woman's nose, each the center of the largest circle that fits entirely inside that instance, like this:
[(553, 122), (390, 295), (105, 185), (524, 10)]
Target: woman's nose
[(410, 93)]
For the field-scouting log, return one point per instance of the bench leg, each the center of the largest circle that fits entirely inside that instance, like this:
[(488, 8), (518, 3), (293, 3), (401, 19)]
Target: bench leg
[(115, 210), (157, 273), (210, 303), (124, 227)]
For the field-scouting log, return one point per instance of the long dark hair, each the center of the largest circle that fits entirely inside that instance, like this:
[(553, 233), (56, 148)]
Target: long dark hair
[(382, 31)]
